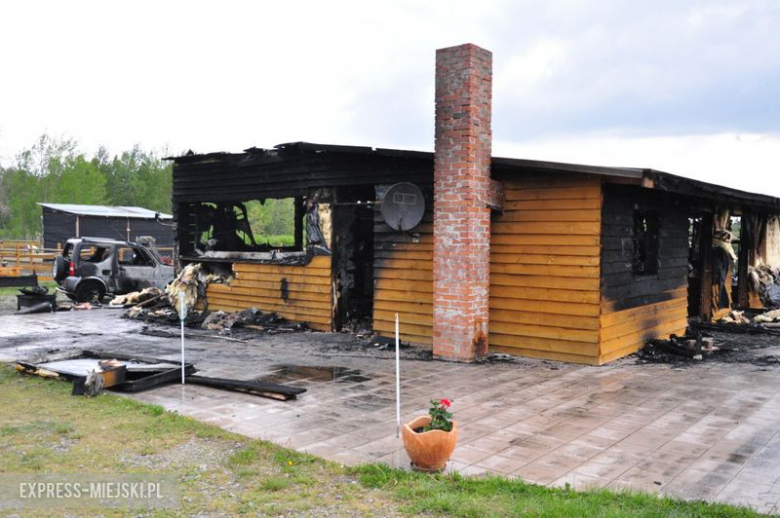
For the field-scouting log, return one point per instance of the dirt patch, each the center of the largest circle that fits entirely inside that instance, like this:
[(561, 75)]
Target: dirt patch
[(8, 303), (203, 454)]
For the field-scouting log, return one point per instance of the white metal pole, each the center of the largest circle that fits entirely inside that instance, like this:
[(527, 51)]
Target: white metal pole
[(182, 318), (397, 378), (182, 352)]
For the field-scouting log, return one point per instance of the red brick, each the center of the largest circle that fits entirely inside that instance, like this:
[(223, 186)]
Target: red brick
[(461, 218)]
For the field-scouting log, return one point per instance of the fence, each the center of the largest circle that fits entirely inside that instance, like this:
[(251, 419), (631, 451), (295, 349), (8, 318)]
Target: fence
[(26, 258), (19, 258)]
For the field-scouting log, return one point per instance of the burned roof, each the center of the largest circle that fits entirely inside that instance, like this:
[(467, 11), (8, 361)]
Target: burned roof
[(324, 165), (106, 211)]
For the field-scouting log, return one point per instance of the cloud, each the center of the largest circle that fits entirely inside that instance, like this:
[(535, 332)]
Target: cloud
[(675, 68), (617, 75), (743, 161)]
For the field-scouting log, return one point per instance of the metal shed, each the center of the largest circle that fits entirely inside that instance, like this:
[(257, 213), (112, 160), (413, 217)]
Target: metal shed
[(61, 221)]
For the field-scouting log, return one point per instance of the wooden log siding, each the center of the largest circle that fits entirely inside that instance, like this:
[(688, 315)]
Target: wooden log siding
[(560, 288), (635, 308), (260, 286), (545, 267), (403, 277)]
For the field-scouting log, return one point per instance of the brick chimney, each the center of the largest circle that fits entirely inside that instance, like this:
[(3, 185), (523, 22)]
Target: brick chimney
[(461, 239)]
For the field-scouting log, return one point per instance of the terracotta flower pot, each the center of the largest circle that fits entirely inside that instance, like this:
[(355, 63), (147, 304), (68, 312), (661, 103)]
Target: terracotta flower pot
[(429, 450)]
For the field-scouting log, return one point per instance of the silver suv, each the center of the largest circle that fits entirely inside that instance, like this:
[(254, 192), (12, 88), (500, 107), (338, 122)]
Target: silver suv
[(89, 268)]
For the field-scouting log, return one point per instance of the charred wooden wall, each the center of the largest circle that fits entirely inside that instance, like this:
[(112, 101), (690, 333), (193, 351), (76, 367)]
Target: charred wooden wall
[(635, 308), (544, 276), (353, 256), (293, 171), (298, 293), (403, 276), (288, 171)]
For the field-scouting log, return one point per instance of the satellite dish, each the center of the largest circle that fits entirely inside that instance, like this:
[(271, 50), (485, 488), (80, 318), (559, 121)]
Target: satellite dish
[(403, 206)]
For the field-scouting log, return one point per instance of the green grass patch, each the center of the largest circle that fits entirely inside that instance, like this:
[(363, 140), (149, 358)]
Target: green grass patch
[(275, 483), (9, 291), (38, 427), (45, 430), (455, 495), (276, 240), (243, 457)]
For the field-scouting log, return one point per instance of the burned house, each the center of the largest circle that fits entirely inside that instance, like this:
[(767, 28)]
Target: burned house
[(475, 253), (62, 221)]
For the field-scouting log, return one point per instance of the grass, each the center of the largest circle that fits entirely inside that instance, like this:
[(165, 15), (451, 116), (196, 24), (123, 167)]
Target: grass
[(276, 240), (455, 495), (45, 430), (5, 292)]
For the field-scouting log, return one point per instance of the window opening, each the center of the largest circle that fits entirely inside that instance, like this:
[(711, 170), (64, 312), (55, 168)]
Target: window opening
[(645, 238)]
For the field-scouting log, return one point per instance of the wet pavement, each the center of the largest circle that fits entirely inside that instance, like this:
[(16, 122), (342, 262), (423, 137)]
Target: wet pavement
[(705, 431)]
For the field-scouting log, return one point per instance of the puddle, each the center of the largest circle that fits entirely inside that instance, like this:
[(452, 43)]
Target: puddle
[(286, 374)]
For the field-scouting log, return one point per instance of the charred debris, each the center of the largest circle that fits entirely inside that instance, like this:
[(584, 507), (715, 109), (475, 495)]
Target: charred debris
[(738, 337), (92, 372), (161, 307), (733, 290)]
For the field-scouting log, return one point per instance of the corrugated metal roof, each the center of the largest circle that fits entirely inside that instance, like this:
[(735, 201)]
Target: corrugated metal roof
[(105, 211)]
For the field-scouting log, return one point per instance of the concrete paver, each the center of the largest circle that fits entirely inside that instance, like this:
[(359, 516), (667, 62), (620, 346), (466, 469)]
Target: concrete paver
[(711, 431)]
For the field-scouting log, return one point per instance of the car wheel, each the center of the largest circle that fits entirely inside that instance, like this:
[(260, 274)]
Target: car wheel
[(90, 292), (59, 268)]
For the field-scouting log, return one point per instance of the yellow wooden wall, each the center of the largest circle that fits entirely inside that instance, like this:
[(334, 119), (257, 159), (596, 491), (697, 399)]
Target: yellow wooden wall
[(544, 269), (625, 332), (403, 273), (546, 273), (259, 286)]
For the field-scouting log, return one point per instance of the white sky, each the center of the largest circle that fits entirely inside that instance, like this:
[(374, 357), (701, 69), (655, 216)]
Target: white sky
[(686, 86)]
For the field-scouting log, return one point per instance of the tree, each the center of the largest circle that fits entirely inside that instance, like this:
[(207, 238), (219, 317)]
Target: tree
[(56, 171), (272, 221), (36, 160), (79, 181), (156, 179), (137, 178), (4, 211), (24, 215)]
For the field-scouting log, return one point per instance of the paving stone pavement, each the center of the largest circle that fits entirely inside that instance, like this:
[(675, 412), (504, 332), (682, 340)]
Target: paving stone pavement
[(710, 431)]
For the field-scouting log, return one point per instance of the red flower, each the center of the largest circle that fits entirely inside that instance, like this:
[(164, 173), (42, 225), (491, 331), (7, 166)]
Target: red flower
[(445, 402)]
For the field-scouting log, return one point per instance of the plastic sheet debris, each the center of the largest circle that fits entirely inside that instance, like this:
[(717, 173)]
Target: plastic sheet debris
[(92, 372)]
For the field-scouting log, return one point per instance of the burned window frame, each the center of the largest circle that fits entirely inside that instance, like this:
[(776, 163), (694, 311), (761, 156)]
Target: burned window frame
[(311, 230), (229, 227), (646, 240)]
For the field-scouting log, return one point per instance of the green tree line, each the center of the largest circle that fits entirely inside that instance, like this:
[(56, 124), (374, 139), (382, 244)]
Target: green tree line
[(57, 171)]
